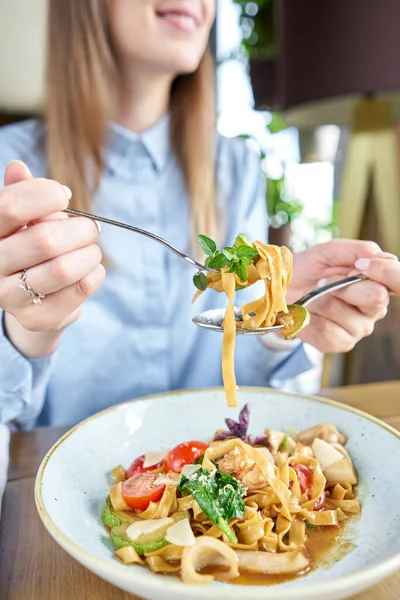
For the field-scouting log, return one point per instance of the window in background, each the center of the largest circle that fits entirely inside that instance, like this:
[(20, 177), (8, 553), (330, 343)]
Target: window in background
[(300, 193)]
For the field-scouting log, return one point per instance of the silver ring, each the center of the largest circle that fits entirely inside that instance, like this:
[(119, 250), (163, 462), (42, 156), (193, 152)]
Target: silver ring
[(36, 297)]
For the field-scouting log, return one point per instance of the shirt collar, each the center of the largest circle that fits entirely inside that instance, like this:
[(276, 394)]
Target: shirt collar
[(155, 141)]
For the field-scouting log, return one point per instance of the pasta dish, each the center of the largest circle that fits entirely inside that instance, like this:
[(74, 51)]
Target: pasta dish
[(236, 505), (241, 266)]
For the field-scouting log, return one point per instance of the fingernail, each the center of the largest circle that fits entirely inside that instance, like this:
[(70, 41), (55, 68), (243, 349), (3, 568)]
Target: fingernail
[(362, 264), (322, 282), (19, 162), (68, 192), (386, 255), (98, 225)]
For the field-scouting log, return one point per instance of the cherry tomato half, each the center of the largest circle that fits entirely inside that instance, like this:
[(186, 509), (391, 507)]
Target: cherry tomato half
[(141, 489), (184, 454), (137, 467), (305, 478)]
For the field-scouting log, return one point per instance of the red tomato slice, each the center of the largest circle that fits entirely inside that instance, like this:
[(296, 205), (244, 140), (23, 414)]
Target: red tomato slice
[(141, 489), (137, 467), (305, 478), (320, 502), (184, 454)]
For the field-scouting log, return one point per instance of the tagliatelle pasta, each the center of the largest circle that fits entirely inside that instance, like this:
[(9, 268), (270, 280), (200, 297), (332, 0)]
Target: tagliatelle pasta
[(273, 266), (247, 505)]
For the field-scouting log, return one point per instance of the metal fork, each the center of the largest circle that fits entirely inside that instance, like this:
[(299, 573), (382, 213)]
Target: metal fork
[(153, 236)]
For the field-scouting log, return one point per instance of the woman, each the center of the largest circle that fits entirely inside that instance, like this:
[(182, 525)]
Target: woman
[(130, 123)]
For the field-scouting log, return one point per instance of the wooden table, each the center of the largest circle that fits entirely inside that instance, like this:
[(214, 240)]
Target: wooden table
[(33, 567)]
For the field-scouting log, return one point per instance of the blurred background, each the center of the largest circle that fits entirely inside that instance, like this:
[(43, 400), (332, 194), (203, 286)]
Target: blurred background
[(315, 88)]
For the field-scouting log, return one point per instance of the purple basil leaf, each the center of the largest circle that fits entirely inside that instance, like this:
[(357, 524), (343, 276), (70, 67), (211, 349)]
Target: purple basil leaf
[(261, 440), (235, 428), (244, 417)]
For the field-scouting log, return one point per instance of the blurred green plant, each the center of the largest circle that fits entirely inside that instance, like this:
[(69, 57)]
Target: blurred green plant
[(257, 20), (281, 209)]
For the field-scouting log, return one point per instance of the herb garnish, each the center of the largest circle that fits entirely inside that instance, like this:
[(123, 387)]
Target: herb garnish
[(236, 258), (236, 429), (219, 496), (284, 447)]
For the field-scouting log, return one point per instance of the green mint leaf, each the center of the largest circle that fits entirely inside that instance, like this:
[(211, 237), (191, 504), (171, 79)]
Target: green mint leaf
[(246, 261), (243, 240), (207, 245), (200, 281), (241, 271), (228, 254), (218, 262), (247, 252), (233, 269)]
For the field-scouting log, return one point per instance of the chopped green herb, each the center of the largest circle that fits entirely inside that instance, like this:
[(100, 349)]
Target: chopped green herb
[(217, 262), (311, 526), (200, 281), (219, 496), (207, 245), (284, 447), (237, 258), (246, 252)]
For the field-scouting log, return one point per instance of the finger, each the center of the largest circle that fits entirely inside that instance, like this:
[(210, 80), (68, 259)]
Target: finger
[(52, 217), (58, 309), (383, 271), (327, 336), (44, 241), (50, 277), (371, 298), (344, 253), (29, 200), (349, 318), (16, 171)]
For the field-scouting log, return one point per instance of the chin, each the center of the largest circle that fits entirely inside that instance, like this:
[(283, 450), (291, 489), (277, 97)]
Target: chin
[(183, 63)]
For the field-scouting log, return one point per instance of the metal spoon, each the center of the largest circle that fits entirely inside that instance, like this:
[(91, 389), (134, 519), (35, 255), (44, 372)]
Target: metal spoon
[(153, 236), (213, 319)]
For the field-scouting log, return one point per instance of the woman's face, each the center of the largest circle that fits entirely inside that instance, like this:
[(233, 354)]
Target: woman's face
[(164, 36)]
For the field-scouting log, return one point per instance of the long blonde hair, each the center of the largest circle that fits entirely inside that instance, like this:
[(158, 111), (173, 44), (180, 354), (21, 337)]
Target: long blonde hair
[(81, 73)]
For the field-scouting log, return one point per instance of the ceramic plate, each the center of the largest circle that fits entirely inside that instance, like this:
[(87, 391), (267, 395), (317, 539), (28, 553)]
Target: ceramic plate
[(73, 482)]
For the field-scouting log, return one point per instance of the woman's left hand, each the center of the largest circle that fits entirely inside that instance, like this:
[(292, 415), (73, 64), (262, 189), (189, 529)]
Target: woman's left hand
[(340, 319)]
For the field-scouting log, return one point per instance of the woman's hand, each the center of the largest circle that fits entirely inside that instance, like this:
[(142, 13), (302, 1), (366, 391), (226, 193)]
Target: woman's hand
[(340, 319), (60, 255)]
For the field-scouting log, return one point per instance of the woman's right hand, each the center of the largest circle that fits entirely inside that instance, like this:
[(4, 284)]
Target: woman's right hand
[(60, 255)]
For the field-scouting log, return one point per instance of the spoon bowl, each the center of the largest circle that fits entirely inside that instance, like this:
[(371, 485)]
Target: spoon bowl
[(213, 319)]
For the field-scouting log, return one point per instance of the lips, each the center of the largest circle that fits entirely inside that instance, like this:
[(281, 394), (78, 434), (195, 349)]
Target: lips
[(180, 18)]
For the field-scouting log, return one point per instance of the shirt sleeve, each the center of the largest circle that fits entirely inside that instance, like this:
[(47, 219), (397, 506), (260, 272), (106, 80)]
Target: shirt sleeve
[(257, 363), (23, 383)]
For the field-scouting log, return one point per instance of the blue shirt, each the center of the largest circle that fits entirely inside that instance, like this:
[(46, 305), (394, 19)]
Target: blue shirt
[(135, 336)]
